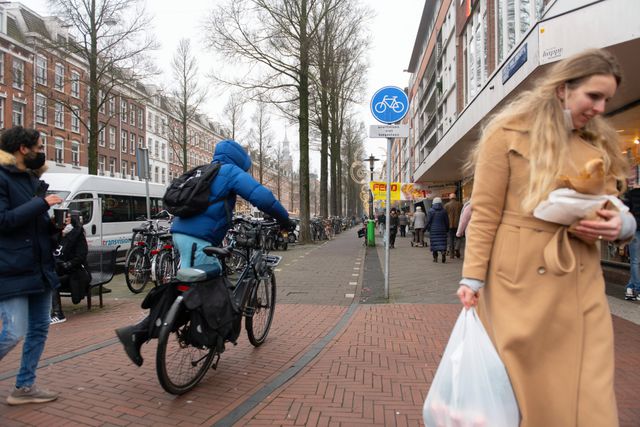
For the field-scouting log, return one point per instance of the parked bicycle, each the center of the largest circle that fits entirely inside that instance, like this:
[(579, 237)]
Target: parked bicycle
[(141, 257), (180, 364)]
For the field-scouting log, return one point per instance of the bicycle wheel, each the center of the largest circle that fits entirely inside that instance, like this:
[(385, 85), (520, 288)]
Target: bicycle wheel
[(164, 267), (179, 365), (137, 270), (235, 265), (260, 308)]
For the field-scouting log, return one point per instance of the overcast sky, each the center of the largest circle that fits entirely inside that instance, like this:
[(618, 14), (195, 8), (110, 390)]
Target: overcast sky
[(393, 31)]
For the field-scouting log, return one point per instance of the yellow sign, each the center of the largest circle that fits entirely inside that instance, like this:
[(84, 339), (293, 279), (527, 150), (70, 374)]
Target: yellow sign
[(379, 190)]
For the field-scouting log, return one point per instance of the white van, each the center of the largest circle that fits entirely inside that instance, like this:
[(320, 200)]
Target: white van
[(109, 206)]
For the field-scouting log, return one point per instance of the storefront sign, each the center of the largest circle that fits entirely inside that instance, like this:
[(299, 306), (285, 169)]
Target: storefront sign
[(514, 63), (379, 190)]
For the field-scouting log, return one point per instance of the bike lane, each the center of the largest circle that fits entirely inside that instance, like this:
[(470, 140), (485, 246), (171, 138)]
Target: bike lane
[(100, 386)]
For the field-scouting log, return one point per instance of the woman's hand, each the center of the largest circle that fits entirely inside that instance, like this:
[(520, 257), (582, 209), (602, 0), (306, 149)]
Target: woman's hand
[(593, 230), (467, 296)]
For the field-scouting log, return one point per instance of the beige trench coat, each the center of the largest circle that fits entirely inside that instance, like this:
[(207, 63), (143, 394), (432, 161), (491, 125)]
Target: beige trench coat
[(543, 303)]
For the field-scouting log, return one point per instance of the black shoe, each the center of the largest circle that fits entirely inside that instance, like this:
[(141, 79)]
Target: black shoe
[(131, 343), (444, 257), (457, 253), (435, 257)]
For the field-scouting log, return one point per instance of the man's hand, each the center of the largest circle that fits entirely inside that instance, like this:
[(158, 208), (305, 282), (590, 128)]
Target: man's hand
[(53, 199), (289, 226)]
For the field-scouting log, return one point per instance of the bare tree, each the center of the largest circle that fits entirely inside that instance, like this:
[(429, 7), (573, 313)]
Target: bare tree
[(277, 153), (233, 112), (261, 137), (110, 37), (186, 98), (274, 36)]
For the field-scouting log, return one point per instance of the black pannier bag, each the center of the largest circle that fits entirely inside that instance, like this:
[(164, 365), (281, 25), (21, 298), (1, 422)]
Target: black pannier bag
[(214, 318), (188, 195), (159, 301)]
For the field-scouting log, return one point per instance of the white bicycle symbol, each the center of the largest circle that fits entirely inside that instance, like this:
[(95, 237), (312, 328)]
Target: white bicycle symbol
[(389, 102)]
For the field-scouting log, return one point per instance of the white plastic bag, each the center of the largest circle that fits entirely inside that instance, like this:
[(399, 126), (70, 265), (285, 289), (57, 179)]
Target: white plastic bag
[(471, 387), (565, 206)]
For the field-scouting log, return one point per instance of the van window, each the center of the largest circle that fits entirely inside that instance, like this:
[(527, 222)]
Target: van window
[(127, 208), (85, 207), (116, 208)]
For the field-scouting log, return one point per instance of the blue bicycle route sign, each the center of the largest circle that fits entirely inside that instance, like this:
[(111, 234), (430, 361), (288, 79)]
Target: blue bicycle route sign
[(389, 104)]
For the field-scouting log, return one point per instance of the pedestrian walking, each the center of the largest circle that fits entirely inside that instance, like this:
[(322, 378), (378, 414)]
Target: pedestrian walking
[(465, 217), (393, 227), (403, 220), (454, 209), (538, 288), (382, 223), (71, 260), (438, 227), (632, 292), (27, 274), (419, 222)]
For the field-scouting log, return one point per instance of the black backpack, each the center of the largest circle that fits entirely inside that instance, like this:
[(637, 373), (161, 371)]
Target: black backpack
[(188, 195)]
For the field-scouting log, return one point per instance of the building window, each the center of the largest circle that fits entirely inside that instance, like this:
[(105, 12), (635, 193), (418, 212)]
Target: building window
[(155, 175), (164, 176), (112, 138), (17, 71), (59, 150), (41, 109), (1, 113), (133, 169), (101, 163), (41, 70), (140, 118), (112, 165), (112, 105), (124, 167), (149, 121), (140, 141), (163, 150), (123, 110), (17, 117), (75, 84), (75, 153), (1, 67), (101, 102), (101, 137), (156, 147), (123, 141), (75, 119), (476, 51), (132, 115), (514, 18), (43, 139), (132, 143), (58, 83), (59, 115)]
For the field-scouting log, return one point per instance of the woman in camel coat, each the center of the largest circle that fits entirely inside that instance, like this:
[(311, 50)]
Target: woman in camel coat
[(538, 288)]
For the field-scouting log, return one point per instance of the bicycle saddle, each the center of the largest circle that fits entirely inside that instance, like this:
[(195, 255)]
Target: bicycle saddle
[(219, 252), (164, 236), (199, 273)]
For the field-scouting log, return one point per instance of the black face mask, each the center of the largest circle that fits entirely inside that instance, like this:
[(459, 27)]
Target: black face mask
[(34, 160)]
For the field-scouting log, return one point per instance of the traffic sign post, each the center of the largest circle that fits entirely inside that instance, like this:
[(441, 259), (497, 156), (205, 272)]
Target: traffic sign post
[(389, 105)]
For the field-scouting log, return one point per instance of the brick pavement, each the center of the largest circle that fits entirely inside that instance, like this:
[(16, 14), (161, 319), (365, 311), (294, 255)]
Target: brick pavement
[(375, 371)]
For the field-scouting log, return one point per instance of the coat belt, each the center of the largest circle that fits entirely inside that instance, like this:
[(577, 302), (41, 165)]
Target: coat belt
[(558, 253)]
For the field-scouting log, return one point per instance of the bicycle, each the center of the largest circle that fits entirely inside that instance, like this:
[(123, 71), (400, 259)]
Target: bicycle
[(167, 260), (180, 365), (140, 259)]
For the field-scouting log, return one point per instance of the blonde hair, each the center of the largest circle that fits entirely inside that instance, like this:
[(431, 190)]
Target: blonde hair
[(548, 135)]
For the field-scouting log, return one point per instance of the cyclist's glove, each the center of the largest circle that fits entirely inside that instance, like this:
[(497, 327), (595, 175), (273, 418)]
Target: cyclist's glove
[(290, 226)]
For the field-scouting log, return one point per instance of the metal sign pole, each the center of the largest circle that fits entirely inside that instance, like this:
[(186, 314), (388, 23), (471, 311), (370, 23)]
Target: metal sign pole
[(388, 221)]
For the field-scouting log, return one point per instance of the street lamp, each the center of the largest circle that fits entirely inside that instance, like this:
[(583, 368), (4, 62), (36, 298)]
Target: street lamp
[(371, 160)]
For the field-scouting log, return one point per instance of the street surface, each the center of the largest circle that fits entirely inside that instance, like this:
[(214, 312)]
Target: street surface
[(337, 353)]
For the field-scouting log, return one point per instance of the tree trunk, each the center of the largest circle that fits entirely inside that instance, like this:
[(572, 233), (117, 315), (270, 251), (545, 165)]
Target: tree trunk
[(94, 90), (303, 91)]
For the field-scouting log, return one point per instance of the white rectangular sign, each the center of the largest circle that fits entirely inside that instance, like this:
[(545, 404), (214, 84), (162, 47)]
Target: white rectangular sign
[(389, 131)]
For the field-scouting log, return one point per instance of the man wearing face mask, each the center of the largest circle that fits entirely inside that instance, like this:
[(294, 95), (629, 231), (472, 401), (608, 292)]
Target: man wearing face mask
[(27, 269)]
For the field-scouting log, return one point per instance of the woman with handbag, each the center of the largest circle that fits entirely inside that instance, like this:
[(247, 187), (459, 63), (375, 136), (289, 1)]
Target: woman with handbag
[(538, 285), (71, 258)]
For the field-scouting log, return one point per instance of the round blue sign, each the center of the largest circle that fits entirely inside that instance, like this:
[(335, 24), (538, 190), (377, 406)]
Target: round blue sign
[(389, 104)]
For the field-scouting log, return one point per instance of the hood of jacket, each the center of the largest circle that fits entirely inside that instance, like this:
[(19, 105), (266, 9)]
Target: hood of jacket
[(229, 151), (8, 160), (437, 206)]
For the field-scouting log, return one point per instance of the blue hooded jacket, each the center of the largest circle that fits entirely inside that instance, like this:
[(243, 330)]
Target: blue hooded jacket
[(232, 180)]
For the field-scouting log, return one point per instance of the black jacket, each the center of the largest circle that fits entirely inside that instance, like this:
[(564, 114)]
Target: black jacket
[(26, 255), (71, 251)]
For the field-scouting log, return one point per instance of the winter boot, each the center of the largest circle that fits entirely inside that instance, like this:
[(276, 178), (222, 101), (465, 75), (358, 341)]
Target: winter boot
[(435, 256), (444, 257), (132, 340)]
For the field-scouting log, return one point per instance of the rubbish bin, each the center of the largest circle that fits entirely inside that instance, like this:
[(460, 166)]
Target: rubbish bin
[(371, 232)]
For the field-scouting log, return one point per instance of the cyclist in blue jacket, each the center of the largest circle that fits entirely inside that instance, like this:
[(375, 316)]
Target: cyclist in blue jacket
[(191, 235)]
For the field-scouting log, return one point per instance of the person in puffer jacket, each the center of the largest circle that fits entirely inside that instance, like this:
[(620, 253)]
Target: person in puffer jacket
[(438, 226), (191, 235)]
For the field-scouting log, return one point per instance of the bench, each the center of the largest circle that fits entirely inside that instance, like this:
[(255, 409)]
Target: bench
[(101, 263)]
